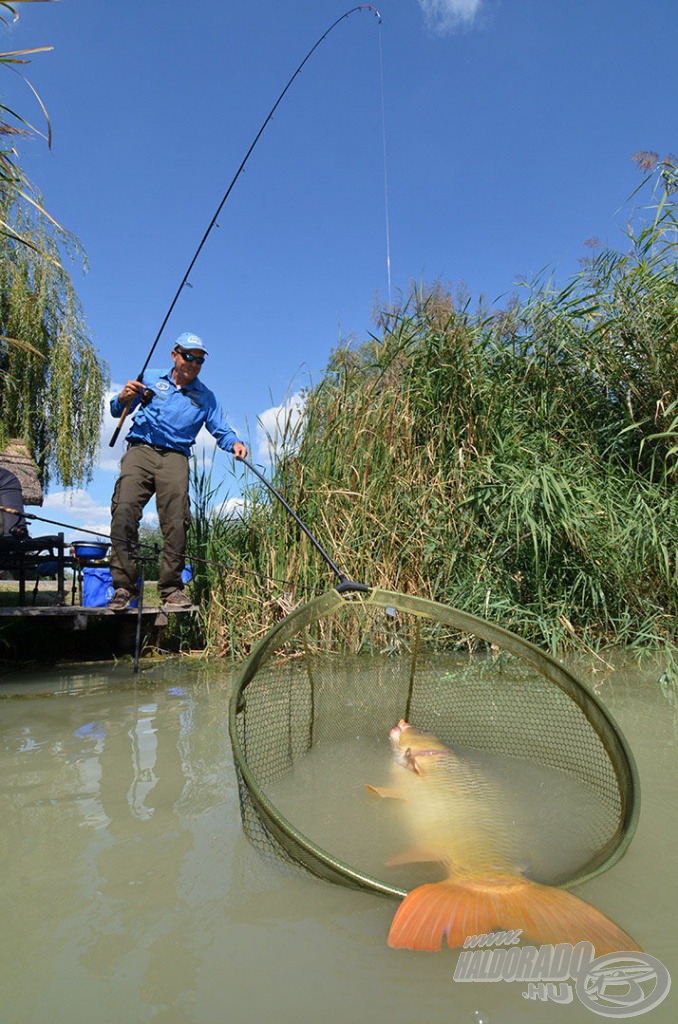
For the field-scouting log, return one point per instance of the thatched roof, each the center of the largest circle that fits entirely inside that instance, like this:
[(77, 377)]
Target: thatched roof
[(16, 458)]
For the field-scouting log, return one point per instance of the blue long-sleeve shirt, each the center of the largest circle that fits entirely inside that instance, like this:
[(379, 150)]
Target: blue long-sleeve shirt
[(175, 415)]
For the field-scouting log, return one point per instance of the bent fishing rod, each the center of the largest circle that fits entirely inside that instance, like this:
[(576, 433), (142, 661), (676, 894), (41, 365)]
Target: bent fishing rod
[(345, 583), (146, 544), (184, 280), (342, 577)]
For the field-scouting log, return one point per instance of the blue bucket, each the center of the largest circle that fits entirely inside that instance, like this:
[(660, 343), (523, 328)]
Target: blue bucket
[(97, 587)]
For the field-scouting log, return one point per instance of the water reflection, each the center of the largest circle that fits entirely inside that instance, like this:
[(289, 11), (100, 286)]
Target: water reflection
[(97, 800), (140, 778), (128, 891)]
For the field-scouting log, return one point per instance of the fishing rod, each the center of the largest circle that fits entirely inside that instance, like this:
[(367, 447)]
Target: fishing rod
[(52, 522), (146, 544), (342, 577), (345, 583), (184, 280)]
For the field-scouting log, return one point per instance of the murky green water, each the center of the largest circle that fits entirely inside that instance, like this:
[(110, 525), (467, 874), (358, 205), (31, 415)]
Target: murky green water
[(128, 892)]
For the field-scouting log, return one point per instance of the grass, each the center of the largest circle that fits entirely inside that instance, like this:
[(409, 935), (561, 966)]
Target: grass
[(519, 463)]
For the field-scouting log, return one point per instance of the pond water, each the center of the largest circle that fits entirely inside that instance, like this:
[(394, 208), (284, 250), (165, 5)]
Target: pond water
[(535, 815), (129, 893)]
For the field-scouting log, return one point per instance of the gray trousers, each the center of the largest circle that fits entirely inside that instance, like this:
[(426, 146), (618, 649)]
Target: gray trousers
[(144, 472)]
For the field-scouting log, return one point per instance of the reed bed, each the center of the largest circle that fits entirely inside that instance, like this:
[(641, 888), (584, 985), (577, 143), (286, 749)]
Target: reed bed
[(519, 463)]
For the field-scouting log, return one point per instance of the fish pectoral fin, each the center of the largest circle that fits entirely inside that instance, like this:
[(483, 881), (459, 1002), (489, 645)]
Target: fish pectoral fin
[(386, 792), (415, 855)]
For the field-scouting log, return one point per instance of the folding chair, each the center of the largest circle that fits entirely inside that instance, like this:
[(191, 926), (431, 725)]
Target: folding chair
[(20, 553)]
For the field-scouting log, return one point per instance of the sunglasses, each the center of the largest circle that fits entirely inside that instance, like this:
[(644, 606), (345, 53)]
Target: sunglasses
[(191, 358)]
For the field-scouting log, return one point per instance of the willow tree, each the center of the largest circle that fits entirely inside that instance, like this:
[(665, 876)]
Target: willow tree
[(52, 380), (14, 126)]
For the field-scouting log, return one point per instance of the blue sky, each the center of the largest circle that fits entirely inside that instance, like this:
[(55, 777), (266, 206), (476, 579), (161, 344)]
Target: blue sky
[(510, 127)]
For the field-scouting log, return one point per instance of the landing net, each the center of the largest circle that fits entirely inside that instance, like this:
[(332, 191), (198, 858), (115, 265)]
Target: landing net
[(344, 668)]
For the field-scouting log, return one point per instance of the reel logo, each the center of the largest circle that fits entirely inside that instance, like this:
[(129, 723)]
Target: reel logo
[(623, 984), (617, 985)]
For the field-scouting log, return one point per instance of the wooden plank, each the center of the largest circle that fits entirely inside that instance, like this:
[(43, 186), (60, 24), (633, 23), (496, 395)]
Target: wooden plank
[(67, 610)]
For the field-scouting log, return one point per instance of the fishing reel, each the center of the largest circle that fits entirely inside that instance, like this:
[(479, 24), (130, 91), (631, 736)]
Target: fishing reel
[(146, 396)]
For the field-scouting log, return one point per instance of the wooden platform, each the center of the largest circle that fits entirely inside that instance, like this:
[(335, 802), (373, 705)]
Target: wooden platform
[(77, 616)]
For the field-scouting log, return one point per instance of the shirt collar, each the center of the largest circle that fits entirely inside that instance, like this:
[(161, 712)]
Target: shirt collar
[(197, 384)]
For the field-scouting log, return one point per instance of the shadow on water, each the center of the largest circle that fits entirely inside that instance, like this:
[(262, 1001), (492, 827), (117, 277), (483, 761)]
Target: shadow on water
[(129, 892)]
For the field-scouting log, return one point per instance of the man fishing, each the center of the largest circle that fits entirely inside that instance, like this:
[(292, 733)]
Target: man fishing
[(170, 407)]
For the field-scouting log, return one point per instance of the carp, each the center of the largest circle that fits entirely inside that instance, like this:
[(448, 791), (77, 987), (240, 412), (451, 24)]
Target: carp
[(458, 817)]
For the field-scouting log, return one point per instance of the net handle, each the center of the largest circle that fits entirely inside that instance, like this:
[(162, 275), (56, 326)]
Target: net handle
[(345, 584)]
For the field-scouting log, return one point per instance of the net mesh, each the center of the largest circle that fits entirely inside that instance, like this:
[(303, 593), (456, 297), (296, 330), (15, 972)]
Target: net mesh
[(346, 667)]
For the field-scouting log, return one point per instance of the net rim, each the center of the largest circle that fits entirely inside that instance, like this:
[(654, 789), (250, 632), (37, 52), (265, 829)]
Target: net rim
[(544, 663)]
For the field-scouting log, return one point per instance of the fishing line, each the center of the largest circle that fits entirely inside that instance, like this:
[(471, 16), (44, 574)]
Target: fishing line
[(383, 138), (184, 280)]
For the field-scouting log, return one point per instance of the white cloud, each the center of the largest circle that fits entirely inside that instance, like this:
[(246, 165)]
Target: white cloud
[(80, 510), (205, 447), (443, 16), (279, 428), (77, 511), (108, 459), (231, 508)]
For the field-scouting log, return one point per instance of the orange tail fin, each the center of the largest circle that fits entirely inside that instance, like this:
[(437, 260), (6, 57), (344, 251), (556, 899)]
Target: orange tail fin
[(475, 906)]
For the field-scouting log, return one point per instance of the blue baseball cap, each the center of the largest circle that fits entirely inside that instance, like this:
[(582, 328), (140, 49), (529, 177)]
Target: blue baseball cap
[(187, 340)]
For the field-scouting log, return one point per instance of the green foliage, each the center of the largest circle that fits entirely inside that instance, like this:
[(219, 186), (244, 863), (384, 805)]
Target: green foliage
[(51, 378), (150, 546), (517, 463), (215, 545)]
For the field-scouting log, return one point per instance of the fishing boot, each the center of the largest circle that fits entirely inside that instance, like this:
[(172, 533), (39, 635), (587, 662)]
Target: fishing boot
[(121, 600), (177, 601)]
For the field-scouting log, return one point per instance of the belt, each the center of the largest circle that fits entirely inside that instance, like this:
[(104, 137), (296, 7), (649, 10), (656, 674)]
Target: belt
[(156, 448)]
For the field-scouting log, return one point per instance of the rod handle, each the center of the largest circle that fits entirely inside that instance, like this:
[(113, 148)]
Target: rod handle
[(116, 432)]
